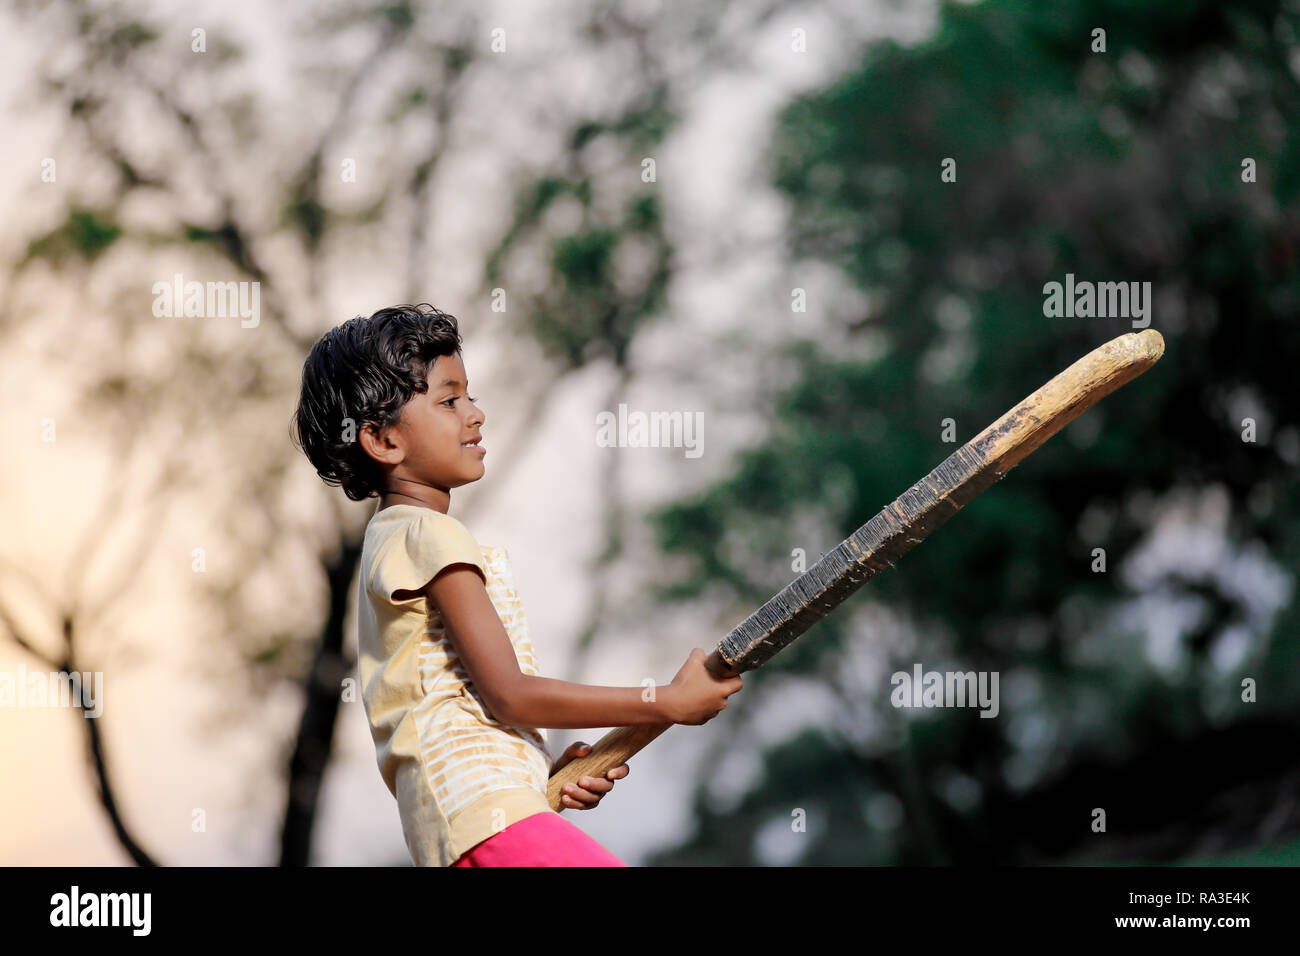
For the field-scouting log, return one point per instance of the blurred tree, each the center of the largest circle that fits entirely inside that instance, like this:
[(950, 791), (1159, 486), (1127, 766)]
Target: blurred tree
[(1119, 165)]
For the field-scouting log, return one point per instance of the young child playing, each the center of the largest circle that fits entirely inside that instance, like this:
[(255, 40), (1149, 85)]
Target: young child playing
[(449, 679)]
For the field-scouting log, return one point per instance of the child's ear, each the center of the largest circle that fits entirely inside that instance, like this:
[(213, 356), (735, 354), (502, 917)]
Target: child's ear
[(381, 444)]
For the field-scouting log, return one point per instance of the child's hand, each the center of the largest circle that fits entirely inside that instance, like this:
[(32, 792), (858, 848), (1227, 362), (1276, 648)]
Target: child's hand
[(696, 695), (586, 793)]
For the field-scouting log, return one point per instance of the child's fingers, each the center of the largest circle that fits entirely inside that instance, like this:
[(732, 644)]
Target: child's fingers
[(618, 773), (579, 793), (580, 804), (596, 785)]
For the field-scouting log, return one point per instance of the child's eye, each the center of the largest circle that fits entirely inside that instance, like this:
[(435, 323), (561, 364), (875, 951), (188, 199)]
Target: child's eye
[(451, 401)]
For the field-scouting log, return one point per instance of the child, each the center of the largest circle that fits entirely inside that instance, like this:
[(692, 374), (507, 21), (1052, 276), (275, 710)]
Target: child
[(448, 676)]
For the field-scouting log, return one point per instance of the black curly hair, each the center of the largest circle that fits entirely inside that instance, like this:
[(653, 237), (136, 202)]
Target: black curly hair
[(365, 371)]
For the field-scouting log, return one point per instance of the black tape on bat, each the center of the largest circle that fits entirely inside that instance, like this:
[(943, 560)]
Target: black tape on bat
[(875, 546)]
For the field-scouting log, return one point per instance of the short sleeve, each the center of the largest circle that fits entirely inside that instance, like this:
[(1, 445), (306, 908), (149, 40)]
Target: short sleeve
[(418, 550)]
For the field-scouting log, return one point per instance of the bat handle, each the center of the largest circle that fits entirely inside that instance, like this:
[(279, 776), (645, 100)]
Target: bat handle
[(617, 746)]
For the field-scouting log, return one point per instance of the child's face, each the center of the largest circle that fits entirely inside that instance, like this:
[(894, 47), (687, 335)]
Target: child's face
[(433, 426)]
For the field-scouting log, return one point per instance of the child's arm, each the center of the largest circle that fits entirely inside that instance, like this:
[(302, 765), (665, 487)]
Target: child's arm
[(516, 698)]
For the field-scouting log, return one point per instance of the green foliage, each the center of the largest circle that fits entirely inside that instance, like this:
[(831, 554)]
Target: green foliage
[(590, 306), (1115, 167), (85, 234)]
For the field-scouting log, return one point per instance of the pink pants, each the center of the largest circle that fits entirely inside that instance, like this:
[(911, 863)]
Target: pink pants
[(544, 839)]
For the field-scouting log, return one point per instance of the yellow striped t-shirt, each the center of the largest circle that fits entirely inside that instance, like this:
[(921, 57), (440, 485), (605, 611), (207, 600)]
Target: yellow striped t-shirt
[(459, 774)]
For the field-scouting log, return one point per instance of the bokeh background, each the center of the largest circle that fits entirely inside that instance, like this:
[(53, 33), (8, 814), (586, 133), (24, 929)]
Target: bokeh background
[(735, 209)]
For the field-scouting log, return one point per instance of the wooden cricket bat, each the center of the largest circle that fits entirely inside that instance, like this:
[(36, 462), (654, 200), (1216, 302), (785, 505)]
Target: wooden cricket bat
[(898, 528)]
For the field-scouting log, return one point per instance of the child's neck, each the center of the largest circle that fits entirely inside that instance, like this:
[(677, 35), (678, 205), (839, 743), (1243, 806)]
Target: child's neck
[(434, 498)]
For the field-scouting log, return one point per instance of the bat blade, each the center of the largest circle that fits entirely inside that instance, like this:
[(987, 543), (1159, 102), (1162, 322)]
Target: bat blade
[(956, 481)]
